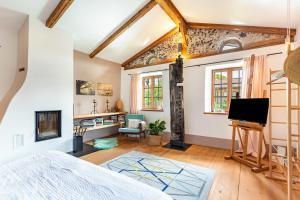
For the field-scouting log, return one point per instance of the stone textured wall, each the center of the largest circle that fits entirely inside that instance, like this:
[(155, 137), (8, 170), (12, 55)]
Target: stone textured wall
[(211, 40), (200, 41)]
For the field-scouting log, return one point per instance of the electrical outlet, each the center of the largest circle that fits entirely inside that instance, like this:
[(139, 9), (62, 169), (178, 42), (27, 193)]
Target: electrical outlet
[(18, 141)]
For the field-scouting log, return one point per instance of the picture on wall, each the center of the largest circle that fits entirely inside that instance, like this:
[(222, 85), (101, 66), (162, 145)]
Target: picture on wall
[(105, 89), (85, 88)]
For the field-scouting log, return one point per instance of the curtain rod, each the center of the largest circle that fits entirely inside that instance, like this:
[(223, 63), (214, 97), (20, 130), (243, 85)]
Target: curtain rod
[(199, 65)]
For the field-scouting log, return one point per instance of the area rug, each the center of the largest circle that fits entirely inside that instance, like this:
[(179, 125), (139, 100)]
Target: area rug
[(182, 181)]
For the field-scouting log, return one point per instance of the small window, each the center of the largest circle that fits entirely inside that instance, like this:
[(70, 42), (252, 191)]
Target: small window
[(230, 45), (226, 85), (152, 92)]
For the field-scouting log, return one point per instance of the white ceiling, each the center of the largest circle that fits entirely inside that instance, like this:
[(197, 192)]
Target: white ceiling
[(270, 13), (92, 21), (145, 31)]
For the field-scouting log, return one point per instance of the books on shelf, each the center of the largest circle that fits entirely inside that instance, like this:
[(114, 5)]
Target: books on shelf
[(121, 118), (114, 118), (108, 122), (88, 123), (99, 121)]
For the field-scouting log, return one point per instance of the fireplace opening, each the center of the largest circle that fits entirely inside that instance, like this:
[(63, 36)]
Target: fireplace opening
[(48, 125)]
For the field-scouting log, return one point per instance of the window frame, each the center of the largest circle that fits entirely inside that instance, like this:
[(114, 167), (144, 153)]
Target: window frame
[(229, 86), (152, 87)]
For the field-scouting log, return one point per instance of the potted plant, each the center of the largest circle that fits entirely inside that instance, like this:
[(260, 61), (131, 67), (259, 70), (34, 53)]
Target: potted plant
[(155, 130)]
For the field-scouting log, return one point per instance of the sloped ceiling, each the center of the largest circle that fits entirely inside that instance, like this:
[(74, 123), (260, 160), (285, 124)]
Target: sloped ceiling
[(152, 26), (270, 13), (92, 21)]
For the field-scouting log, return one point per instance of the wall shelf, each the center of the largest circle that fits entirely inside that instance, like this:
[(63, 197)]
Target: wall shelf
[(102, 127), (92, 116)]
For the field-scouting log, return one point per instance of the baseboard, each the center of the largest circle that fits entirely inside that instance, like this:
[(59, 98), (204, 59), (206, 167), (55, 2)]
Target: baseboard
[(209, 141), (204, 141)]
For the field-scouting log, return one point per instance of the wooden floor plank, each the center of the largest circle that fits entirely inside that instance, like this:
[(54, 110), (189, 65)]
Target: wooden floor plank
[(233, 181)]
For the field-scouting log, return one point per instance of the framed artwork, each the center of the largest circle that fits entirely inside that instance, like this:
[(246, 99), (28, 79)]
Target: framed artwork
[(85, 88), (105, 89)]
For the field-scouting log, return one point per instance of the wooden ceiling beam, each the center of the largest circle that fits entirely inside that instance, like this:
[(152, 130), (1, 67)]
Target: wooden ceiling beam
[(255, 29), (171, 10), (58, 12), (124, 27), (151, 46)]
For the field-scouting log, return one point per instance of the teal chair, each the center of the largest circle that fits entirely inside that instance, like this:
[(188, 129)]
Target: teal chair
[(133, 131)]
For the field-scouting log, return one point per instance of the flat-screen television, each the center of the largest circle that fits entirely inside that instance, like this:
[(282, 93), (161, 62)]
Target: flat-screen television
[(250, 110)]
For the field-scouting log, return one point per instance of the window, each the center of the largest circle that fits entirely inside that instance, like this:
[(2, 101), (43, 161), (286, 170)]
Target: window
[(226, 85), (152, 92), (231, 44)]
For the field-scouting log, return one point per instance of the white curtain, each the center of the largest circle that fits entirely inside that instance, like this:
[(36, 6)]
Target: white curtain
[(135, 94), (256, 76)]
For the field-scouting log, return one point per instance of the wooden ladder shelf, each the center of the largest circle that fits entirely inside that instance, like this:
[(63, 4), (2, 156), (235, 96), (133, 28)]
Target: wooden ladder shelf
[(284, 153)]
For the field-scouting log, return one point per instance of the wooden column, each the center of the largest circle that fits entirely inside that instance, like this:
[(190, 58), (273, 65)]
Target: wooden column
[(176, 104)]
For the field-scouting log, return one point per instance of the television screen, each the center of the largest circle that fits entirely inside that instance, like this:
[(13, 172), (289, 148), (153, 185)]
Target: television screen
[(251, 110)]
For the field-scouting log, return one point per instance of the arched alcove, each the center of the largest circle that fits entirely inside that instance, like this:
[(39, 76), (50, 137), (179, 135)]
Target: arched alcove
[(230, 45)]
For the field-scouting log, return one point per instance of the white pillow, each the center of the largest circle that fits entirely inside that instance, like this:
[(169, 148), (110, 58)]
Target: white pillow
[(133, 123)]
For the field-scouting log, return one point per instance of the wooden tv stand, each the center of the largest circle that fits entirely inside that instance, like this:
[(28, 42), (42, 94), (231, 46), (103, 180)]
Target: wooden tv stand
[(255, 163)]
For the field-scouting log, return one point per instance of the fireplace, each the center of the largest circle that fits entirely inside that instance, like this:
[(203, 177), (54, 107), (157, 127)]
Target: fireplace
[(48, 125)]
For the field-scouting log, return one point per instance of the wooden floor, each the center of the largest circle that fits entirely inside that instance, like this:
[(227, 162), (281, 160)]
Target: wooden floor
[(233, 180)]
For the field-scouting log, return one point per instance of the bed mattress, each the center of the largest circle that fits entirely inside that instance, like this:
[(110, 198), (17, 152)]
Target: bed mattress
[(58, 176)]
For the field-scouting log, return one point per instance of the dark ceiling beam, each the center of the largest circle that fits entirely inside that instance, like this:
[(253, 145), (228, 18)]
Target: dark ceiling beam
[(171, 10), (58, 12), (124, 27), (255, 29), (151, 46)]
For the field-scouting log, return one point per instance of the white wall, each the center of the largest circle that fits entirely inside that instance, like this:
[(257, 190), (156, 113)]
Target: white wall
[(149, 115), (196, 122), (99, 71), (10, 24), (297, 38), (48, 86), (8, 57)]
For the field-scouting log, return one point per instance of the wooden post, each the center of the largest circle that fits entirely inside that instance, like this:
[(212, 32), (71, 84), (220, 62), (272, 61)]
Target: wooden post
[(289, 140), (260, 141), (270, 127), (298, 117), (245, 149), (289, 129), (233, 140)]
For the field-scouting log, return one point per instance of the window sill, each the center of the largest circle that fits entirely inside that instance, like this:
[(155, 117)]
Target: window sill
[(152, 110), (216, 113)]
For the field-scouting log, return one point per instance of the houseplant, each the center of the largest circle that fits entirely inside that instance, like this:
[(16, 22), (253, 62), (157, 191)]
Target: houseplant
[(155, 130)]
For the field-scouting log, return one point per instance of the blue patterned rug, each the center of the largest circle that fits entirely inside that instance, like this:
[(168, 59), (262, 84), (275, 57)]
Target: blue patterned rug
[(182, 181)]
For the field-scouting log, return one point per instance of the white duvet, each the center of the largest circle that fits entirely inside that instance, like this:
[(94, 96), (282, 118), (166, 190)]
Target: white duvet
[(58, 176)]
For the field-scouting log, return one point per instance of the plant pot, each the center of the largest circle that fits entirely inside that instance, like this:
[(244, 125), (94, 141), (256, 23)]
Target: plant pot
[(154, 140)]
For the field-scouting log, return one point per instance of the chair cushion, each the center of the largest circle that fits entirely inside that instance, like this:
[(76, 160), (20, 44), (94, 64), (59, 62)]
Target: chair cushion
[(129, 130), (133, 116), (133, 123)]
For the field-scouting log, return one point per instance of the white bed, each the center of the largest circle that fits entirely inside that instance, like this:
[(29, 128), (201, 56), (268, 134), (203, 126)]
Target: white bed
[(58, 176)]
